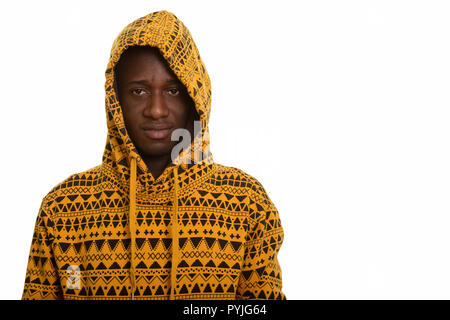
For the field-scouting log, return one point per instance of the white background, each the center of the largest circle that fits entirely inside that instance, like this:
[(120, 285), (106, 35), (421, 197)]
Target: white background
[(339, 108)]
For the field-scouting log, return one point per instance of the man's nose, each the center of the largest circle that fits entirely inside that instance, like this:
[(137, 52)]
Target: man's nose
[(156, 106)]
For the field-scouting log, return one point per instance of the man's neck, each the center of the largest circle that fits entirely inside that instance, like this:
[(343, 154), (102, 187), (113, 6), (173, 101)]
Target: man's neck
[(156, 165)]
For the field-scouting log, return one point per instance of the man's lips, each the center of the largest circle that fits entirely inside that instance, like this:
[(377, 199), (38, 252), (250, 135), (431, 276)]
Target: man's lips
[(156, 127), (157, 132)]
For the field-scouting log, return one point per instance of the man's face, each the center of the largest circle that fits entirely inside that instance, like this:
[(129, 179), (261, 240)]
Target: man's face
[(154, 102)]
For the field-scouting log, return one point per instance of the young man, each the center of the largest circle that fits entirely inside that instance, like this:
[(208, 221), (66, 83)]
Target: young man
[(155, 221)]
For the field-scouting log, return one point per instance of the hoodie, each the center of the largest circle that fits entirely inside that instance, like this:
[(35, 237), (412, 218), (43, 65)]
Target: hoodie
[(201, 230)]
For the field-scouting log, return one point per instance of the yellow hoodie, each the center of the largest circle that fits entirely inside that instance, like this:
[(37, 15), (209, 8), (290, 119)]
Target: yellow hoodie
[(201, 230)]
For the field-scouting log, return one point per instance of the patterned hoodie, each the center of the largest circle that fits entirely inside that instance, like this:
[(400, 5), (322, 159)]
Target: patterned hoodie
[(201, 230)]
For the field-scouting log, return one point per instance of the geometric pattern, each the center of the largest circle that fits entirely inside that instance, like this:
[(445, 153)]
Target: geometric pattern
[(199, 231)]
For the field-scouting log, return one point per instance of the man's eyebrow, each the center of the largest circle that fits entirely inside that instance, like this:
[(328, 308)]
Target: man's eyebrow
[(145, 81), (137, 82), (172, 81)]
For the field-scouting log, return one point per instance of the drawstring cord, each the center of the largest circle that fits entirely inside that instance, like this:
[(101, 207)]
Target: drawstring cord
[(132, 222), (173, 272)]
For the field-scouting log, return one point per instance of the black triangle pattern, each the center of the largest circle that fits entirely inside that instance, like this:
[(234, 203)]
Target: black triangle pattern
[(225, 253)]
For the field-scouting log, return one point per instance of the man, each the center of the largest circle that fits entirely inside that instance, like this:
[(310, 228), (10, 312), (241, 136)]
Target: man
[(154, 221)]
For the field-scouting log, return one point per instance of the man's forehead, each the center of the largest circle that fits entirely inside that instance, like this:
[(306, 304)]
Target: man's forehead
[(134, 52)]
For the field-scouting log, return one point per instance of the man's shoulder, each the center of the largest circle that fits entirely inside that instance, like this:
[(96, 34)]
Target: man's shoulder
[(246, 185), (74, 184), (239, 177)]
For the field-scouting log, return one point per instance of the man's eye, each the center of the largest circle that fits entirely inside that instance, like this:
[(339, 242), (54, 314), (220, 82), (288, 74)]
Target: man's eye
[(138, 91), (174, 92)]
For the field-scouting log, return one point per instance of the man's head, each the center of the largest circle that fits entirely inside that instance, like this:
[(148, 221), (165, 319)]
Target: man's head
[(154, 102)]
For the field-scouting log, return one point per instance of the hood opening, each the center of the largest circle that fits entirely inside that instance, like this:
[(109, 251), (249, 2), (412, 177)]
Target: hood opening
[(119, 65)]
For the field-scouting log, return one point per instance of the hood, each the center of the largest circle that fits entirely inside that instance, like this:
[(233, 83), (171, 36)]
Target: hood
[(166, 32)]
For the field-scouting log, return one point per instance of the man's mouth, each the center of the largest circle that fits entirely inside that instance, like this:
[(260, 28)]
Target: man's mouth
[(156, 133)]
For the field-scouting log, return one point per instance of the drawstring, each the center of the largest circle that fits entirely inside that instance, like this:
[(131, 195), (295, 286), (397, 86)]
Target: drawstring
[(133, 224), (132, 221), (173, 272)]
